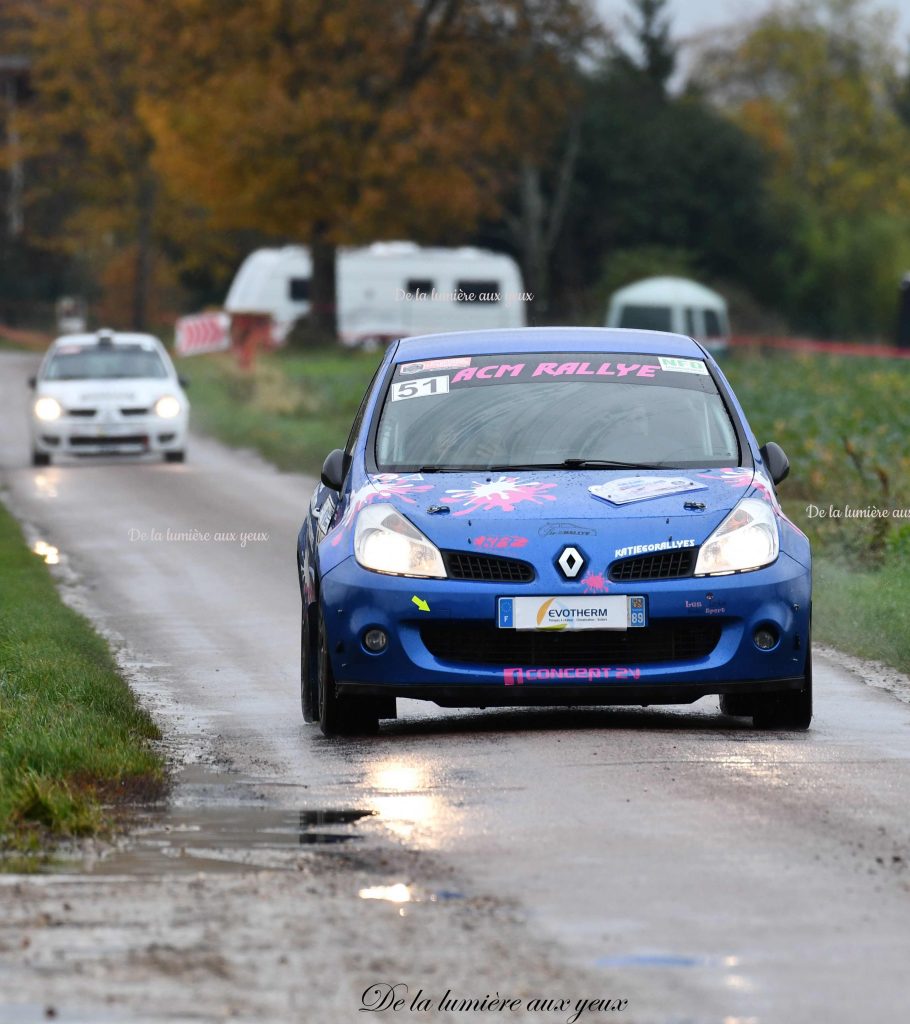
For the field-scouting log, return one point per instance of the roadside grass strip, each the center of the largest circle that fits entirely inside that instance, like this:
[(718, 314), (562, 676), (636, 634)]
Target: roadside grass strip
[(866, 613), (74, 744), (292, 407)]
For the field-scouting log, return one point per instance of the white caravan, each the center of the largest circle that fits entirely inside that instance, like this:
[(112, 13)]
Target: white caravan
[(672, 304), (386, 290)]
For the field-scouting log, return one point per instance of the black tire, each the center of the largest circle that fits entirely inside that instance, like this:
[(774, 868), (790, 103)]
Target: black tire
[(740, 705), (309, 698), (790, 709), (340, 716), (41, 458), (175, 456)]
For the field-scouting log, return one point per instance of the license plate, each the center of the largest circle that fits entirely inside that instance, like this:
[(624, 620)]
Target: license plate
[(558, 614)]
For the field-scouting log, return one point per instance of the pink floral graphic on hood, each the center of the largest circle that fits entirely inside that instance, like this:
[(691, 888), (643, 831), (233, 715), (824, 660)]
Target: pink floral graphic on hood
[(500, 495), (595, 583), (738, 477), (381, 488), (734, 476)]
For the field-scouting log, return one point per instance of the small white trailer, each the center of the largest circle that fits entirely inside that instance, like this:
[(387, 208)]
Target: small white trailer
[(386, 290), (672, 304)]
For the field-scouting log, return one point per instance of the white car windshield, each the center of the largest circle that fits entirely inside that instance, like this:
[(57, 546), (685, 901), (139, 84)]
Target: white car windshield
[(554, 410), (105, 363)]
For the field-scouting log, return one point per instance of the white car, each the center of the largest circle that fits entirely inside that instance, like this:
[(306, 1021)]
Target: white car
[(108, 393)]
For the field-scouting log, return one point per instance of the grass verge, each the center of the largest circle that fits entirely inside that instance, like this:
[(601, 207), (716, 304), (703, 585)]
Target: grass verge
[(292, 408), (864, 613), (73, 741)]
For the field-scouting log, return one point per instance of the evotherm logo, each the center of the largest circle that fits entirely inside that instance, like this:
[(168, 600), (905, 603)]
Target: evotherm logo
[(577, 613)]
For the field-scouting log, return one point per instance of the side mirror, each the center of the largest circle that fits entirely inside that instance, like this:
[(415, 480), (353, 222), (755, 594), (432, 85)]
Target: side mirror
[(777, 462), (184, 382), (334, 469), (33, 382)]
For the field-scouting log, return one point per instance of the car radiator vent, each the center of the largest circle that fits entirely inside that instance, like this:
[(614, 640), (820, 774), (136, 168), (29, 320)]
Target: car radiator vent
[(134, 411), (482, 643), (83, 413), (666, 565), (461, 565), (108, 442)]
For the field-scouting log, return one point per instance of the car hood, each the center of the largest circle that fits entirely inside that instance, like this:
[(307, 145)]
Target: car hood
[(521, 514)]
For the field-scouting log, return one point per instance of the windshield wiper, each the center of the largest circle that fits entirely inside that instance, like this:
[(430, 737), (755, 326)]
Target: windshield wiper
[(610, 464), (440, 467), (578, 464)]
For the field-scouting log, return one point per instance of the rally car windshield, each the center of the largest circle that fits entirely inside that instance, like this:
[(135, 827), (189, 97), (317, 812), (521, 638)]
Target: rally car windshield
[(112, 363), (588, 410)]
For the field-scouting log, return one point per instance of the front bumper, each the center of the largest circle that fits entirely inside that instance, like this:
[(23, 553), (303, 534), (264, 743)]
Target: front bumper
[(355, 600), (135, 436)]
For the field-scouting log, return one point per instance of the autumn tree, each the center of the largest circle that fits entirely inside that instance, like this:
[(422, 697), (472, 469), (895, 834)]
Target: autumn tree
[(92, 190), (540, 96), (337, 123), (663, 185), (814, 83)]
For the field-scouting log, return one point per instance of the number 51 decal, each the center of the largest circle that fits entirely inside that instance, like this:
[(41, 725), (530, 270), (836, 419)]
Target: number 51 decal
[(420, 388)]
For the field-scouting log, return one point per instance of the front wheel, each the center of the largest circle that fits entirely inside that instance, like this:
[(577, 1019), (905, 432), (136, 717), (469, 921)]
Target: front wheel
[(309, 697), (791, 709), (175, 456), (737, 704), (41, 458), (340, 716)]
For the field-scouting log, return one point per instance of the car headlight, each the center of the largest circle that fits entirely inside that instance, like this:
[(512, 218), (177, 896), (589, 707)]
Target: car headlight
[(167, 407), (48, 409), (384, 541), (747, 539)]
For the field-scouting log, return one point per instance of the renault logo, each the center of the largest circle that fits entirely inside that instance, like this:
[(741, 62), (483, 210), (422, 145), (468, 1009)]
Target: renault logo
[(570, 562)]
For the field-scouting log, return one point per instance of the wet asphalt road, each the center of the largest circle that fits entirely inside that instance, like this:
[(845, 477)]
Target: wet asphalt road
[(722, 874)]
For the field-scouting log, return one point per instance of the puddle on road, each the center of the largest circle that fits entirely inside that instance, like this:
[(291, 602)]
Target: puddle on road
[(221, 839)]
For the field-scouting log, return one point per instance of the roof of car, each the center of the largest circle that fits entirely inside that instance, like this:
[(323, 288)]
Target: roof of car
[(549, 339), (116, 338)]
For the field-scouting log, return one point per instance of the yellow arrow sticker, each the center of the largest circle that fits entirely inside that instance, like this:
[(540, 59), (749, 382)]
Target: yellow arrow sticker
[(421, 604)]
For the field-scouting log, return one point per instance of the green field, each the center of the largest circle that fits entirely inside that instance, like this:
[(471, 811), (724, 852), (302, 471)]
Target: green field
[(292, 408), (844, 422), (73, 742)]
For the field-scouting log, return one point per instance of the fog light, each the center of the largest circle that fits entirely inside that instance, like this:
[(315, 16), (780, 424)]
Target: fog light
[(375, 640), (765, 638)]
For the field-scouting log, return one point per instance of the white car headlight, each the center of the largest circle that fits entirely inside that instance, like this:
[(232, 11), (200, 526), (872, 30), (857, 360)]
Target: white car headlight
[(167, 407), (385, 541), (747, 539), (48, 409)]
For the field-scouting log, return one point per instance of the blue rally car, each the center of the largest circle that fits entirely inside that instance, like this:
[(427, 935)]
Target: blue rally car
[(552, 516)]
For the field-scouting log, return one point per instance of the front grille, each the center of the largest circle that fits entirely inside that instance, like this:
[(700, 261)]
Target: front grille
[(134, 412), (666, 565), (476, 643), (108, 442), (461, 565), (82, 413)]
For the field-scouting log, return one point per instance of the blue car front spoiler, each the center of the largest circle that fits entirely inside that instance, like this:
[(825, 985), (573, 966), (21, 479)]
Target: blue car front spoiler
[(355, 600)]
